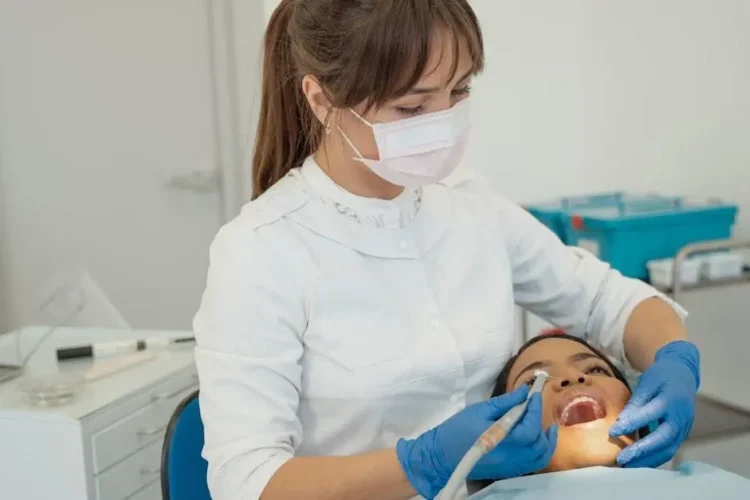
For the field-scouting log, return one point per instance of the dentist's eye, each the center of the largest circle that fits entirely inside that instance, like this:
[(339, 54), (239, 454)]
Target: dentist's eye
[(410, 111), (464, 91)]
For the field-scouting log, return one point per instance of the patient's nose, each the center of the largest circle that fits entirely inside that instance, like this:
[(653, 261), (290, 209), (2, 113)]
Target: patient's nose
[(570, 379)]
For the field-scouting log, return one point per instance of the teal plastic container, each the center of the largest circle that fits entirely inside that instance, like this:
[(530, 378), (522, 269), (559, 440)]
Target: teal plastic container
[(552, 213), (632, 233)]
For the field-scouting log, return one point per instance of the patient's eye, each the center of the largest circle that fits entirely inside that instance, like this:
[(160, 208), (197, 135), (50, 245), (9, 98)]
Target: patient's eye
[(598, 370)]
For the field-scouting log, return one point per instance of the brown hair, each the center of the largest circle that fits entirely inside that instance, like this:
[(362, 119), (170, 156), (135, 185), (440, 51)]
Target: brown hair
[(359, 51)]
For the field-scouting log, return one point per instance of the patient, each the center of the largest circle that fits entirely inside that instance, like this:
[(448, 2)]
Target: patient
[(584, 396)]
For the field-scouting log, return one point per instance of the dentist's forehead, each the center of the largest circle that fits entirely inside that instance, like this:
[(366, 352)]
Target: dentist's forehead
[(450, 61)]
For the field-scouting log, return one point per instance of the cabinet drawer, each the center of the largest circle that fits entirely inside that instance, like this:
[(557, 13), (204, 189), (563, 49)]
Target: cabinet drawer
[(130, 475), (150, 492), (142, 427)]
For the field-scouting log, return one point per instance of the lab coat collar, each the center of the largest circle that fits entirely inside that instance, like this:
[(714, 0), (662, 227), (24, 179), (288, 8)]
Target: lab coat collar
[(397, 212), (410, 242)]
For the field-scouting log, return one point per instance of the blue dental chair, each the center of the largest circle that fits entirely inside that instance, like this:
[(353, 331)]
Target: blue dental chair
[(183, 469)]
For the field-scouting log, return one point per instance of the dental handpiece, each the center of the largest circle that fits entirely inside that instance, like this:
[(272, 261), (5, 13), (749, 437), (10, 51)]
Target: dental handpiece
[(488, 441), (497, 432)]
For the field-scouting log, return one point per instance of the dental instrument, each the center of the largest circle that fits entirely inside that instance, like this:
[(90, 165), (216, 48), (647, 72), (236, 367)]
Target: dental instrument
[(108, 349), (489, 440)]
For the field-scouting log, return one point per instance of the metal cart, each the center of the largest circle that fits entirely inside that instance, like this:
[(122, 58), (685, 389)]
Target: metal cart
[(718, 325)]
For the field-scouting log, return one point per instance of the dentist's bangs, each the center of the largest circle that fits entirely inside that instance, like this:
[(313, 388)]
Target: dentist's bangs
[(396, 43)]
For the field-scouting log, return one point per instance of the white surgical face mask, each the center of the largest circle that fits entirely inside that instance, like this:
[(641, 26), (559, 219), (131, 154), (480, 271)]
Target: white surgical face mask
[(421, 150)]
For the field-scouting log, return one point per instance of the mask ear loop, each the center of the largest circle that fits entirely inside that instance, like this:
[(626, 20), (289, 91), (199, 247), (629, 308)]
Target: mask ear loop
[(346, 138), (361, 119)]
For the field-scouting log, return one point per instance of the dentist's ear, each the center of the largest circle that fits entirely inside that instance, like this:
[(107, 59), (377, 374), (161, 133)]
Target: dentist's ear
[(317, 99)]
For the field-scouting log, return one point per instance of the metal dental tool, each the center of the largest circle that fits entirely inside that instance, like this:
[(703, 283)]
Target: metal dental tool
[(489, 440)]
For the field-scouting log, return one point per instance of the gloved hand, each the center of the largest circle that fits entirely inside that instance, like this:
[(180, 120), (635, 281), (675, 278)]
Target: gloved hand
[(665, 394), (430, 459)]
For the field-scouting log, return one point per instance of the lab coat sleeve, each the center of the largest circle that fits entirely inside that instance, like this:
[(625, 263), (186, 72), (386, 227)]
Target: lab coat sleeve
[(248, 330), (570, 287)]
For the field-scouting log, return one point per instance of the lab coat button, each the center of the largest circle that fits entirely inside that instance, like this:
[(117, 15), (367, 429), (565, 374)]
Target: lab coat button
[(404, 244)]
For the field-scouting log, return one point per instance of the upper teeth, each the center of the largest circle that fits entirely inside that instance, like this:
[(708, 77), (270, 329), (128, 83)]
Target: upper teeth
[(578, 400)]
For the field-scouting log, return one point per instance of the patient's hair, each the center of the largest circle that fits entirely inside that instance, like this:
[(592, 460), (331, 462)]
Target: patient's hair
[(502, 379)]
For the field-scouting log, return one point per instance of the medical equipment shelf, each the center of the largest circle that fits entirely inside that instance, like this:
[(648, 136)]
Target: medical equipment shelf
[(629, 230), (744, 279), (551, 213)]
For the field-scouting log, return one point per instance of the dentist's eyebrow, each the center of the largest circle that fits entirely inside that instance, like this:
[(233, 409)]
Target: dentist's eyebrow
[(430, 90)]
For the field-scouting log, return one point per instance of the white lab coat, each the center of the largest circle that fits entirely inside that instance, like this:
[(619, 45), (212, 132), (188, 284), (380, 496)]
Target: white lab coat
[(321, 335)]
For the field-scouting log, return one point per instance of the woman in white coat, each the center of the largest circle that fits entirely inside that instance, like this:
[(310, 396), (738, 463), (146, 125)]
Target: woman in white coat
[(359, 309)]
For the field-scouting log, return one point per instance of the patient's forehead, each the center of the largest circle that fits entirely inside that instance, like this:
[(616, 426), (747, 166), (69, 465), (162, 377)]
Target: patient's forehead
[(555, 350)]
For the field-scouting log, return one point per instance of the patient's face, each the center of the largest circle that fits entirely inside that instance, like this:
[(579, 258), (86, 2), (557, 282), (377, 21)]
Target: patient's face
[(582, 396)]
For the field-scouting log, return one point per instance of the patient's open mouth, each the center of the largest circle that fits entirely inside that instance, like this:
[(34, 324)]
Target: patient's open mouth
[(580, 408)]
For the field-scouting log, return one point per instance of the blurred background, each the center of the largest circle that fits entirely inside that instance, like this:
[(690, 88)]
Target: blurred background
[(126, 130), (126, 127)]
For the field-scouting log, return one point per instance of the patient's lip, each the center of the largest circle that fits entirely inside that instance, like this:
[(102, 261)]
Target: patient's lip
[(574, 396)]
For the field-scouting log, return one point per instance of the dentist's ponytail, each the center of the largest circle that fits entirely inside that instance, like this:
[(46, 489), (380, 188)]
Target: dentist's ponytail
[(283, 140), (359, 51)]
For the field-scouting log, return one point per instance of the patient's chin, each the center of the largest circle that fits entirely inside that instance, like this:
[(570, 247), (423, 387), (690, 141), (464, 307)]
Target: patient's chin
[(586, 447)]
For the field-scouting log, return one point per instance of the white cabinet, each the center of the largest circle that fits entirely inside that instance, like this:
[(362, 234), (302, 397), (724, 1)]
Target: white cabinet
[(105, 445), (150, 492)]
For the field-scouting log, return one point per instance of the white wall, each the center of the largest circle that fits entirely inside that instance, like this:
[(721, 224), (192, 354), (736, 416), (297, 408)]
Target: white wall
[(248, 42), (528, 120), (100, 105), (5, 320), (611, 94), (667, 102)]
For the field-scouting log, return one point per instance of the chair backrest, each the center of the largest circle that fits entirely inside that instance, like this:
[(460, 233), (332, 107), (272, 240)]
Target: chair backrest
[(183, 469)]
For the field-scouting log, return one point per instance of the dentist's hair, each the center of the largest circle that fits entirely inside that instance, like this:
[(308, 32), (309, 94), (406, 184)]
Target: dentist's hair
[(359, 51)]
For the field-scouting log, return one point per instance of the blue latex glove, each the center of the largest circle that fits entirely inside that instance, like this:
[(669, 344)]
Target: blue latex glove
[(430, 459), (665, 394)]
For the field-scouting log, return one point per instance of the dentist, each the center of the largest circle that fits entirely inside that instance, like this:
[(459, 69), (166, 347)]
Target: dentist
[(358, 311)]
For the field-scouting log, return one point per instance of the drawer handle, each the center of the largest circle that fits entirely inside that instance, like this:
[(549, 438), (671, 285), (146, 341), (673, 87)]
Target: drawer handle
[(151, 431), (150, 471), (155, 398)]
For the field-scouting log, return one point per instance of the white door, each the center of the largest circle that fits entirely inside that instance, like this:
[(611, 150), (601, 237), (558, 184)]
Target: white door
[(111, 151)]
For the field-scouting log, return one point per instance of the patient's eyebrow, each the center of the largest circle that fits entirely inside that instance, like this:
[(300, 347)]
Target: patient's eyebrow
[(582, 356), (533, 366)]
